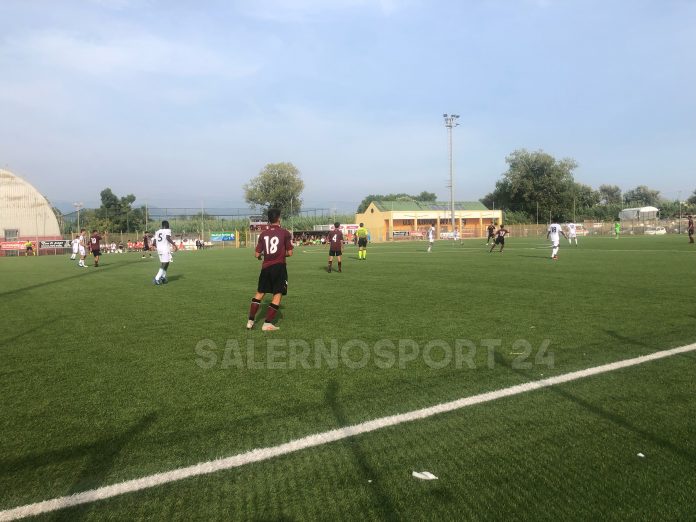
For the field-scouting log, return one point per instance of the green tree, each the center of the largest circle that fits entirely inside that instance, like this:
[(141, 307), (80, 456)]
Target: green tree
[(278, 185), (642, 196), (423, 197), (609, 194), (117, 214), (692, 199), (536, 178)]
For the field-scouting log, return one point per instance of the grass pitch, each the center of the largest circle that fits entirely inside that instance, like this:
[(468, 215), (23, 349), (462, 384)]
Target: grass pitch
[(106, 378)]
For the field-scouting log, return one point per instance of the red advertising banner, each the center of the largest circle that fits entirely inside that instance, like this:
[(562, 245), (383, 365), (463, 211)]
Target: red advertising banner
[(12, 245)]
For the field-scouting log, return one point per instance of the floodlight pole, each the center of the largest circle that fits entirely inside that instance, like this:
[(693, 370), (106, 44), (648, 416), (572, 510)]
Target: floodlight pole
[(450, 122), (680, 211), (78, 206)]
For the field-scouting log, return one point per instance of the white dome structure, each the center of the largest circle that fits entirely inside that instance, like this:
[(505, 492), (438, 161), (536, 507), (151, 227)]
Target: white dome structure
[(24, 213)]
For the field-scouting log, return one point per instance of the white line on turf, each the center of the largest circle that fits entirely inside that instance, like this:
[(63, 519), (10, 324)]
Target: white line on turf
[(319, 439)]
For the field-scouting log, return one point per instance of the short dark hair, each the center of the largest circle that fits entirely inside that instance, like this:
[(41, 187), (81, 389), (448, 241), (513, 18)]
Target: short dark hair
[(337, 224), (273, 215), (165, 224), (361, 224), (94, 230)]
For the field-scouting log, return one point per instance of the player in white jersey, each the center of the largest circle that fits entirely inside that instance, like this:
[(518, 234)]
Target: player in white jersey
[(572, 233), (431, 237), (82, 248), (554, 234), (75, 245), (163, 240)]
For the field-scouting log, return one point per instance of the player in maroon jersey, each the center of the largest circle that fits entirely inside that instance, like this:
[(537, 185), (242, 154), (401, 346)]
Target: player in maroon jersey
[(94, 246), (500, 238), (335, 241), (690, 228), (275, 244), (146, 244)]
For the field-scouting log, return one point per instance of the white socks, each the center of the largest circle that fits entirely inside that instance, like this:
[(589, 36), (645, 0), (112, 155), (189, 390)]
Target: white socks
[(160, 274), (554, 252)]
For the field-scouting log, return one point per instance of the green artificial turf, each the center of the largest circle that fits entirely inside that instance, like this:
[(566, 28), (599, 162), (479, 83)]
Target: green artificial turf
[(106, 377)]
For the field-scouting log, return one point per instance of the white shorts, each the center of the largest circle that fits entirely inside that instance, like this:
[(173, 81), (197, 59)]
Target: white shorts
[(74, 249), (82, 250), (571, 236), (555, 243), (165, 257)]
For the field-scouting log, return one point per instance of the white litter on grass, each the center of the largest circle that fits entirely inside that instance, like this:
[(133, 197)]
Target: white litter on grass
[(641, 455), (424, 475)]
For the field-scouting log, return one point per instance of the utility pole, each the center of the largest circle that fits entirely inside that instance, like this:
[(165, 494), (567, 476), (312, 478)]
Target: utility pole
[(450, 122)]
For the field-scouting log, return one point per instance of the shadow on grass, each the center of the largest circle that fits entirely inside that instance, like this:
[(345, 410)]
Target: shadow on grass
[(601, 412), (382, 500), (175, 277), (29, 331), (101, 456), (629, 340), (81, 273)]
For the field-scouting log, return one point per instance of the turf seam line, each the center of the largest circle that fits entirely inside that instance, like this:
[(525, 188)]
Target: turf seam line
[(319, 439)]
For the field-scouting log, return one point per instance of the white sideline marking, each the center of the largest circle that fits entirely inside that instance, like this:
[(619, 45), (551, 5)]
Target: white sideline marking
[(319, 439)]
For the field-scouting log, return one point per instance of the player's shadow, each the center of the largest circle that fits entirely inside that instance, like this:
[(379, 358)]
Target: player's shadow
[(601, 412), (28, 331), (536, 257), (175, 277), (624, 339), (101, 456), (82, 273), (382, 501)]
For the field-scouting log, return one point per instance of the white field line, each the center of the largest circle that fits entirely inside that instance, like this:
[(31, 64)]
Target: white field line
[(319, 439)]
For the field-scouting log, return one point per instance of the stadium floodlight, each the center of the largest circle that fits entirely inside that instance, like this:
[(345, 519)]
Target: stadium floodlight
[(450, 122)]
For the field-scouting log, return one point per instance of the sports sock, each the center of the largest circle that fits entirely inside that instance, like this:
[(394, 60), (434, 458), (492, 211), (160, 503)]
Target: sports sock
[(271, 312), (255, 303), (330, 263), (339, 266), (554, 252), (159, 274)]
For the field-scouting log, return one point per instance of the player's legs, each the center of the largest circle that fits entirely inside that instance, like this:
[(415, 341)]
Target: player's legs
[(271, 312), (554, 251), (338, 258), (330, 263), (162, 273)]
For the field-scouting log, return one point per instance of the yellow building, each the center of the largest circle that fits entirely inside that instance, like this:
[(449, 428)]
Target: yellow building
[(387, 220)]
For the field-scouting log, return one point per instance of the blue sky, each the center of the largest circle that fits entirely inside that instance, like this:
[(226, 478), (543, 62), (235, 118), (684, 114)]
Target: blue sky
[(183, 102)]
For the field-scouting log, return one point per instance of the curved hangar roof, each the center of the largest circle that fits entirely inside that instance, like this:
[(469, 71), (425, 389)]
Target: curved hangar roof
[(24, 209)]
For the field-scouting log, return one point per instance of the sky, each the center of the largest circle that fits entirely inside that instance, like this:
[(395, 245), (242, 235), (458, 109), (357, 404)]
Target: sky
[(181, 103)]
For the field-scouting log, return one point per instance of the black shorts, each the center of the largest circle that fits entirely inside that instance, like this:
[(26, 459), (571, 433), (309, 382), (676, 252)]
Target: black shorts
[(274, 279), (334, 253), (362, 241), (146, 248), (490, 236), (499, 240), (96, 253)]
